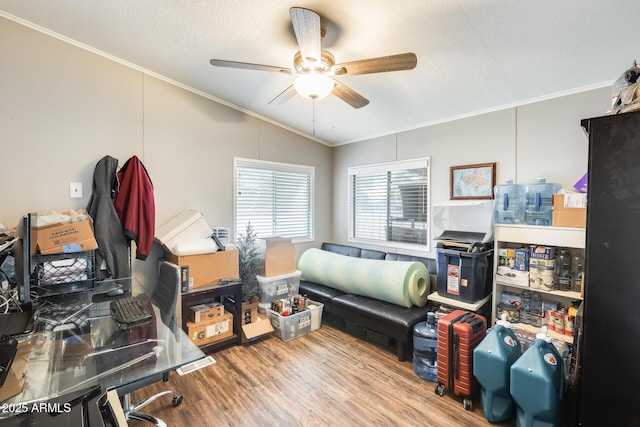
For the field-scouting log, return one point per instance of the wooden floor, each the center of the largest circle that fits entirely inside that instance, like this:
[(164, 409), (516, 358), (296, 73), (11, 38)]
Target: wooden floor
[(326, 378)]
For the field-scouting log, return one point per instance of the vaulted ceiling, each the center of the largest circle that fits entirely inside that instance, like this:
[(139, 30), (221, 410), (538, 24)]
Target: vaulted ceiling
[(473, 56)]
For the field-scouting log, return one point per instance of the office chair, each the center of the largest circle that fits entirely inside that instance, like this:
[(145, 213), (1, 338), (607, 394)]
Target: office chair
[(165, 297)]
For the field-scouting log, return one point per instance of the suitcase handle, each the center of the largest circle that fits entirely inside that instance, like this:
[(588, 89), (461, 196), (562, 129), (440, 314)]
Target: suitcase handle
[(456, 358)]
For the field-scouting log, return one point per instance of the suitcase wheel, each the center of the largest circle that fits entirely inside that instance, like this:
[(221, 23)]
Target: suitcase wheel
[(467, 404), (440, 390)]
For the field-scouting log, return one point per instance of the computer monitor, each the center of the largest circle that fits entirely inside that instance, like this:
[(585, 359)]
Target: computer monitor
[(23, 251)]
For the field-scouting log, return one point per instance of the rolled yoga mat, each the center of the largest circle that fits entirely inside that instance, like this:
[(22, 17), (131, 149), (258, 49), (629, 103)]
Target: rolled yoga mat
[(403, 283)]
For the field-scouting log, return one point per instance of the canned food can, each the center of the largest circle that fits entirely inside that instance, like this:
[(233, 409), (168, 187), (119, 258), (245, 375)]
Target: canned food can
[(569, 324), (551, 326), (558, 322)]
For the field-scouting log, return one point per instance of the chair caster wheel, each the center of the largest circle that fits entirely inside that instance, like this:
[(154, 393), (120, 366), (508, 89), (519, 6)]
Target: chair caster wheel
[(177, 400)]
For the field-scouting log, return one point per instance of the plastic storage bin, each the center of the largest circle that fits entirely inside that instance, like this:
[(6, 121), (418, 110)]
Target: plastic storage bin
[(463, 275), (276, 287), (299, 324)]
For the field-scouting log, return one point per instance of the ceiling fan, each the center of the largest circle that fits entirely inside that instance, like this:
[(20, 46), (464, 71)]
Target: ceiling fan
[(315, 68)]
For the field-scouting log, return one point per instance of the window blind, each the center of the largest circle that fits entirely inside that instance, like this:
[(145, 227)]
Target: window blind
[(276, 198), (390, 203)]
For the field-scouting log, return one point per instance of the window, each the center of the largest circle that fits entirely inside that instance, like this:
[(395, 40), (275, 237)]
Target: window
[(276, 198), (390, 202)]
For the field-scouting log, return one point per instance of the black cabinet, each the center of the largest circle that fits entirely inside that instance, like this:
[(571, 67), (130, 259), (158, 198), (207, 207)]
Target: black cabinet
[(610, 344), (210, 294)]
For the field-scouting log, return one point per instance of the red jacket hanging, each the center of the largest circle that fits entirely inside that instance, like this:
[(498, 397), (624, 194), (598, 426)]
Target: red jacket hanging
[(135, 205)]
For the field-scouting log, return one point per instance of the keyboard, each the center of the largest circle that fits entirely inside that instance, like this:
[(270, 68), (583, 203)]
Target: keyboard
[(129, 312)]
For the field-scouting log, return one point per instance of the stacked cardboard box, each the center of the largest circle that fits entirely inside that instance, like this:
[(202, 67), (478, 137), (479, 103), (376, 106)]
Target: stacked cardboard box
[(209, 323), (279, 257)]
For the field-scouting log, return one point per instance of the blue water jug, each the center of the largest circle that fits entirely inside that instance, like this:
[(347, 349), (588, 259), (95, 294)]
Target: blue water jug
[(537, 382), (509, 203), (492, 360), (539, 200), (425, 348)]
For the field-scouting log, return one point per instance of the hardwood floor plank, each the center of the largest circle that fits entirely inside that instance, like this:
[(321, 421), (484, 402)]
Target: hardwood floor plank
[(326, 378)]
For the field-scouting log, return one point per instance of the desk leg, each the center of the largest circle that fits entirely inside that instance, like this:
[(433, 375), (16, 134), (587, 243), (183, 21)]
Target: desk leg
[(237, 319)]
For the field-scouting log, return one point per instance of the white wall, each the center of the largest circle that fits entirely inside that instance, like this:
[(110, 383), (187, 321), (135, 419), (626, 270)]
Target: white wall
[(542, 139), (62, 109)]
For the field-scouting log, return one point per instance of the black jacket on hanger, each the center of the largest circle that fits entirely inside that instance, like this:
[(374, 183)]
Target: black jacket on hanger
[(113, 246)]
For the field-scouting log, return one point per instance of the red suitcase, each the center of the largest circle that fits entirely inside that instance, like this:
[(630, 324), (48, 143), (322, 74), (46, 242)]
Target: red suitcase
[(459, 333)]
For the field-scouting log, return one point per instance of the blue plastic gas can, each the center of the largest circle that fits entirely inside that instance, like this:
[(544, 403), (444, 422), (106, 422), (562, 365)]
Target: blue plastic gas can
[(537, 381), (492, 360)]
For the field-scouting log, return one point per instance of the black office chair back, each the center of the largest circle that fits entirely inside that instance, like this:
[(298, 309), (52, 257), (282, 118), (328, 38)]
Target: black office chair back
[(168, 290)]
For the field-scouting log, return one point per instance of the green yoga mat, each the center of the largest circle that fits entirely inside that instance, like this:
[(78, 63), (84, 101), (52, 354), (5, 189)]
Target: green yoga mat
[(403, 283)]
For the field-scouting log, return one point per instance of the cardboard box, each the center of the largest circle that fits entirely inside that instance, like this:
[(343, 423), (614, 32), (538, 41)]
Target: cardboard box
[(255, 330), (279, 257), (208, 269), (64, 238), (212, 330), (205, 312), (570, 210), (249, 309)]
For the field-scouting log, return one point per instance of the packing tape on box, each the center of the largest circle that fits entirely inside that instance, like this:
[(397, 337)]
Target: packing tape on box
[(404, 283)]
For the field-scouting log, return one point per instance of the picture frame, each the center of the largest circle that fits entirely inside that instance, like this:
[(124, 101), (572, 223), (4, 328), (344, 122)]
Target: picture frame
[(469, 182)]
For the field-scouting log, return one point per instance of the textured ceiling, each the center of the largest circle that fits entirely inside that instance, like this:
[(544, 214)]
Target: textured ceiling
[(473, 56)]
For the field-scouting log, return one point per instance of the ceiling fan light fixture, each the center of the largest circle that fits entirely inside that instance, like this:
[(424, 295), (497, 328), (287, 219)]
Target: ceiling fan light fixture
[(313, 85)]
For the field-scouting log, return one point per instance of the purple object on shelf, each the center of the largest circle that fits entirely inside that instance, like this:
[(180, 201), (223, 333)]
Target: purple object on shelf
[(581, 185)]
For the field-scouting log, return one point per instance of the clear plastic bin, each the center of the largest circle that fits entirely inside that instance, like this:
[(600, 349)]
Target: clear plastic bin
[(277, 287), (299, 324)]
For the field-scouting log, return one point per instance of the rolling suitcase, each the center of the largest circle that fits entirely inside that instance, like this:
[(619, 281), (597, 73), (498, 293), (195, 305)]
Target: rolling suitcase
[(459, 333)]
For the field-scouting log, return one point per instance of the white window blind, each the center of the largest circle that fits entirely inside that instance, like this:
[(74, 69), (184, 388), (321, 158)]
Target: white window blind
[(390, 202), (276, 198)]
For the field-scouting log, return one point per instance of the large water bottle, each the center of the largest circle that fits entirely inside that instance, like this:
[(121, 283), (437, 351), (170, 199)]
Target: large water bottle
[(425, 348), (563, 270), (509, 204), (539, 200), (525, 307), (535, 312), (537, 383)]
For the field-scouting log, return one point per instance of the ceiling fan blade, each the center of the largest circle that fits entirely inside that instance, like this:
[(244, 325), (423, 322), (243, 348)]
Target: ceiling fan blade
[(249, 66), (284, 96), (402, 61), (349, 95), (306, 25)]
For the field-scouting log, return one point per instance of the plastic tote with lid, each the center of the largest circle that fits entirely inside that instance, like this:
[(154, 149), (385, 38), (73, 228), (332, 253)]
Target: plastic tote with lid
[(539, 200), (537, 382), (509, 203), (492, 360)]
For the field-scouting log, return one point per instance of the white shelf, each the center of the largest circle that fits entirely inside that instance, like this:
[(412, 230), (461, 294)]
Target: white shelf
[(506, 234), (436, 297), (534, 330), (540, 235)]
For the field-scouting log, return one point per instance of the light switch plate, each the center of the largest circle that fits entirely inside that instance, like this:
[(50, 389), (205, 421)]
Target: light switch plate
[(75, 190)]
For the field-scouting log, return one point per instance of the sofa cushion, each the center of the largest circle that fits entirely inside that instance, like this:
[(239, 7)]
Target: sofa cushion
[(341, 249), (389, 319), (428, 262), (371, 254), (319, 293)]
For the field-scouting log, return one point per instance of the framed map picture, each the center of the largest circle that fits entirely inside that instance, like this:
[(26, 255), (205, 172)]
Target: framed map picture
[(472, 181)]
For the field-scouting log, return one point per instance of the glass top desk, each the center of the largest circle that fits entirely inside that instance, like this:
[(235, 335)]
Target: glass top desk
[(65, 360)]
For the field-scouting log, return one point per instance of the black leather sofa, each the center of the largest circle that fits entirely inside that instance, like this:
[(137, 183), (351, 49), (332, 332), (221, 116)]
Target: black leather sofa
[(356, 312)]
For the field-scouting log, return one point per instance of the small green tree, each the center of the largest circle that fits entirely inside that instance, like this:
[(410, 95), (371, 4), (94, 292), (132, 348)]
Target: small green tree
[(249, 262)]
